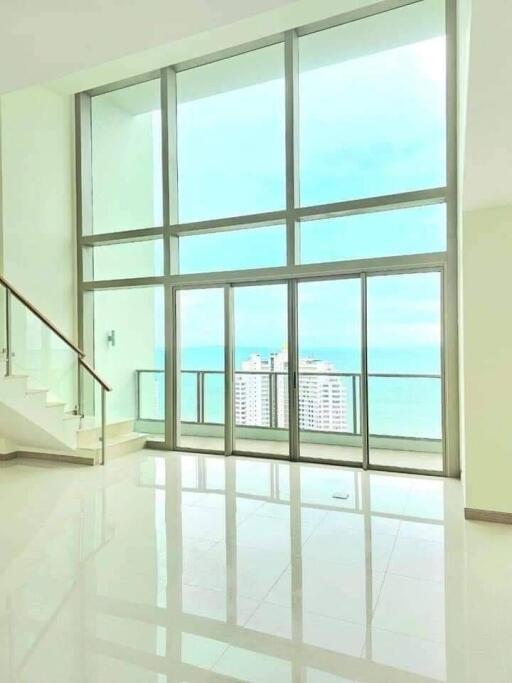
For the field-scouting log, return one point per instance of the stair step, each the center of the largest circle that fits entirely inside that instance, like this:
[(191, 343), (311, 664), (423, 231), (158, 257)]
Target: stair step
[(120, 445), (89, 436), (37, 391), (125, 438), (54, 404)]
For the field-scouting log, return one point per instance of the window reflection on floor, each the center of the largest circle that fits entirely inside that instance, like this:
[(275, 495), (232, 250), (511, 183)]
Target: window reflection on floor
[(248, 569)]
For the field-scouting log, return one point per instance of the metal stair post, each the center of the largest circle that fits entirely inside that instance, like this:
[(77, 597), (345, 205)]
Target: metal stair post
[(8, 342)]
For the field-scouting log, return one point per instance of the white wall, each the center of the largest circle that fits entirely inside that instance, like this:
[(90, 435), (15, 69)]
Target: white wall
[(38, 232), (487, 358), (37, 206), (131, 313), (488, 145), (485, 251)]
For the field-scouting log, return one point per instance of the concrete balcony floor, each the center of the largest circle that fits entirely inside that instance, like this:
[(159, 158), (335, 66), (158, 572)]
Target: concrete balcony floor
[(382, 457)]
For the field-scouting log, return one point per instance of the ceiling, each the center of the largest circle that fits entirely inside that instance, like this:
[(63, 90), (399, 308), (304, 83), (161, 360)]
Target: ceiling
[(43, 40)]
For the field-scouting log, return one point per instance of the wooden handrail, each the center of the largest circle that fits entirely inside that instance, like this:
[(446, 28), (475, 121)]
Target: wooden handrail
[(55, 330), (40, 315), (93, 372)]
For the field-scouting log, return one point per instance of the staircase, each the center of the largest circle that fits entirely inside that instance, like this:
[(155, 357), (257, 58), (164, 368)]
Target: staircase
[(121, 439), (34, 421)]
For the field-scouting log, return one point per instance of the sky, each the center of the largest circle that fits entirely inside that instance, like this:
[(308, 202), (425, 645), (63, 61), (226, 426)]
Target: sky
[(370, 125)]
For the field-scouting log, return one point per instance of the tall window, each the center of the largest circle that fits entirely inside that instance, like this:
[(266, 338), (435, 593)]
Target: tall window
[(372, 106), (126, 158), (231, 157), (253, 178)]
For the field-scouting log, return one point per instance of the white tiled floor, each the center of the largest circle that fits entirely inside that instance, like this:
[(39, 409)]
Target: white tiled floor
[(168, 568)]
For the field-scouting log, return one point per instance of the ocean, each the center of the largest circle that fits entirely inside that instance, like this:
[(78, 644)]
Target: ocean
[(408, 407)]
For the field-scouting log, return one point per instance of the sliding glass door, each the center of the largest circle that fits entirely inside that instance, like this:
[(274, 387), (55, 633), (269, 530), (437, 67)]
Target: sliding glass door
[(200, 369), (329, 370), (260, 382), (404, 371), (366, 351)]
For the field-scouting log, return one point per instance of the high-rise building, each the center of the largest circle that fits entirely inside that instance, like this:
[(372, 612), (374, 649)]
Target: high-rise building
[(261, 394)]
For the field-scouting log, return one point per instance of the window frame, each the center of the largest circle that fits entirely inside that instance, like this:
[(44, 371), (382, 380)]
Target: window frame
[(291, 215)]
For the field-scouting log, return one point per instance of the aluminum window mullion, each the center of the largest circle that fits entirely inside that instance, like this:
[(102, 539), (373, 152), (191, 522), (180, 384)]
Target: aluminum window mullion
[(246, 221), (363, 389), (150, 281), (86, 395), (390, 263), (172, 321), (121, 237), (169, 163), (383, 265), (450, 358), (170, 364), (390, 202), (291, 71), (293, 372), (229, 52), (123, 83), (229, 401), (400, 200), (170, 215), (354, 15), (84, 217)]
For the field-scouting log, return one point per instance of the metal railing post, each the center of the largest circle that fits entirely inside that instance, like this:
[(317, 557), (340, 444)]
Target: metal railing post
[(8, 340), (103, 424), (270, 401), (137, 391), (354, 405), (200, 396), (79, 398)]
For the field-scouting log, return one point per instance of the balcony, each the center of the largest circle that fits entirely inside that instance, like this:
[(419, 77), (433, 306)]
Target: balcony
[(404, 415)]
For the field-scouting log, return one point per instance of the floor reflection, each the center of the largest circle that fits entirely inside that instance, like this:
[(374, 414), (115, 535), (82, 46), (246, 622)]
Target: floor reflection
[(165, 568)]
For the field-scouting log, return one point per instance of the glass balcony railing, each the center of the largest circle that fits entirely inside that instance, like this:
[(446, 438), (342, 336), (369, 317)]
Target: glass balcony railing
[(400, 405)]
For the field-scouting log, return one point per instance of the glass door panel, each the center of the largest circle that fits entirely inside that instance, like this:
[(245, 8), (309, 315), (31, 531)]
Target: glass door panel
[(329, 363), (200, 368), (261, 369), (404, 371)]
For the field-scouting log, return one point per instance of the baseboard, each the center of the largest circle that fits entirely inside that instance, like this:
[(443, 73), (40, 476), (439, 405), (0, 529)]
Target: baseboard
[(56, 457), (488, 516)]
